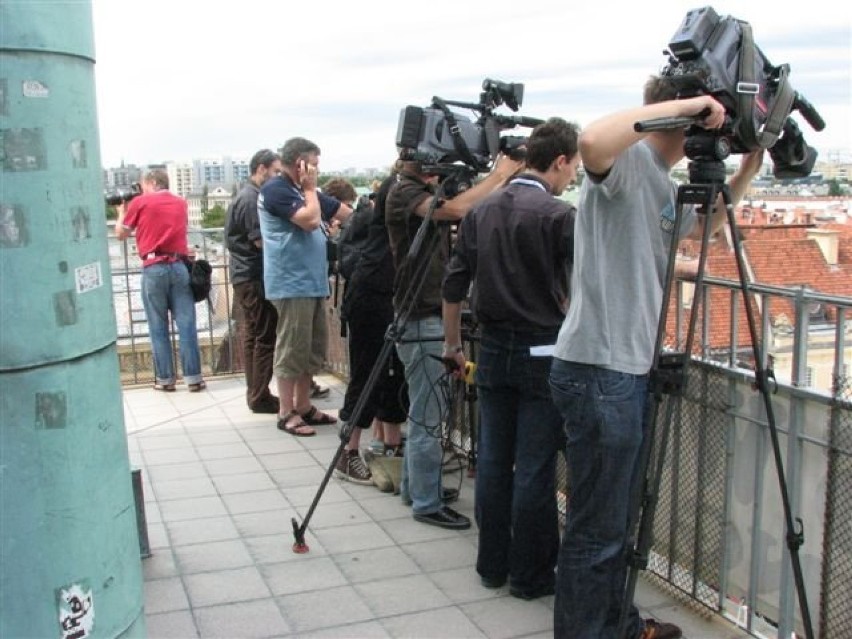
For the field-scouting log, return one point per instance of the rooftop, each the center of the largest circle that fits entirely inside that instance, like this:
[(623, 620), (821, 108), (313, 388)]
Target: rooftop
[(221, 485)]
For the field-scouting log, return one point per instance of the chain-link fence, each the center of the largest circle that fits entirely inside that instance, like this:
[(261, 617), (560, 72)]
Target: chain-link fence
[(835, 610)]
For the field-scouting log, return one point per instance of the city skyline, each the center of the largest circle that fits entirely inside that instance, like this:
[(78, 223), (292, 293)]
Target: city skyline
[(238, 81)]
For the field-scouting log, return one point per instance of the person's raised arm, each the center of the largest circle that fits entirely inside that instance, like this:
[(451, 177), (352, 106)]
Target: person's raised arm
[(309, 216), (459, 206), (602, 141)]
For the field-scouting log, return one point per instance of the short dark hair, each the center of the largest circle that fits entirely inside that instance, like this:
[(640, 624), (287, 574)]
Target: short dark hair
[(658, 89), (341, 189), (549, 140), (294, 148), (159, 177), (264, 157)]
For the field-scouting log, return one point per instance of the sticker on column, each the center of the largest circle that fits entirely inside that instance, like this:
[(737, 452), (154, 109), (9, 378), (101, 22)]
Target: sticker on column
[(76, 611), (23, 150), (51, 410), (35, 89), (80, 223), (65, 308), (79, 159), (13, 226), (88, 277)]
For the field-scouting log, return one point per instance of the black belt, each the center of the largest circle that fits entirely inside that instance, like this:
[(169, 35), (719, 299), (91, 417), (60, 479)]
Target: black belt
[(153, 254)]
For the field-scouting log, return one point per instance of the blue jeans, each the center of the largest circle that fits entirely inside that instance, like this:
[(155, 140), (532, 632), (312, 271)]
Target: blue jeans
[(604, 414), (421, 469), (165, 287), (520, 436)]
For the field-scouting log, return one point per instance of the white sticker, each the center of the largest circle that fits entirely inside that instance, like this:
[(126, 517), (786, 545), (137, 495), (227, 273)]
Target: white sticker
[(35, 89), (88, 277), (76, 611), (542, 351)]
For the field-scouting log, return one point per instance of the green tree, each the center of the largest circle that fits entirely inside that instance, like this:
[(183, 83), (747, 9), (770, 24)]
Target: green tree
[(214, 218), (110, 212), (834, 187)]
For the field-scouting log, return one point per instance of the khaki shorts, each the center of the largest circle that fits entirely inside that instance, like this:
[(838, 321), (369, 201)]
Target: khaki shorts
[(302, 337)]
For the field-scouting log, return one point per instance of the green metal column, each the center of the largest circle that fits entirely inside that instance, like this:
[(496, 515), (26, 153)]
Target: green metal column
[(69, 552)]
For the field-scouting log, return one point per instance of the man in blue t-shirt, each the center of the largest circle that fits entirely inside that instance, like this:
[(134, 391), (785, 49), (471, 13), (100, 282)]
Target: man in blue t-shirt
[(293, 222)]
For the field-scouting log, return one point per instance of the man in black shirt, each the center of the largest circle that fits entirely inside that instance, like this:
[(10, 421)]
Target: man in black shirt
[(259, 318), (517, 246)]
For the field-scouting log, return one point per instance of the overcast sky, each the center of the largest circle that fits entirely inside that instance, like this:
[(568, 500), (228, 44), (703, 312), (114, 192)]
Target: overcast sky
[(182, 79)]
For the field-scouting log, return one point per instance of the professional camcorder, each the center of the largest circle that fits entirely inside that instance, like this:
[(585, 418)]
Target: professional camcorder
[(717, 55), (441, 139), (122, 196)]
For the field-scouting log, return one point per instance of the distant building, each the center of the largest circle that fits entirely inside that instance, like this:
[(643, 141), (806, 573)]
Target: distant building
[(224, 172), (181, 178), (218, 195), (121, 177)]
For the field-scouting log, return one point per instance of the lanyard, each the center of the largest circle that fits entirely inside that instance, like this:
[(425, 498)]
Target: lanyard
[(528, 182)]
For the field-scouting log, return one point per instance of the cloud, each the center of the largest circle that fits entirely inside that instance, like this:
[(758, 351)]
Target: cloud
[(188, 79)]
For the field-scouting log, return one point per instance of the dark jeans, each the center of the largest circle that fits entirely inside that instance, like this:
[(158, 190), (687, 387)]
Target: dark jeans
[(368, 317), (519, 439), (604, 413), (259, 320)]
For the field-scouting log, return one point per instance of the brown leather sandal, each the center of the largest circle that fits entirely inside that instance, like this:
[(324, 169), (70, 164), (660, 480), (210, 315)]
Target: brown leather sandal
[(315, 417), (294, 425)]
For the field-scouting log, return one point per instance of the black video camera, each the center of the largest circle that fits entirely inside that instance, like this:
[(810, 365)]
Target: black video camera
[(441, 139), (122, 196), (717, 55)]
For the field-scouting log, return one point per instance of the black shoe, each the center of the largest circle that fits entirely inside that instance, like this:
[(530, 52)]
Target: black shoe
[(492, 582), (529, 595), (267, 406), (318, 392), (445, 518)]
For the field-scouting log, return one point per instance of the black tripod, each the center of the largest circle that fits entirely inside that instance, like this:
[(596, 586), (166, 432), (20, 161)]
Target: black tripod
[(706, 151), (425, 242)]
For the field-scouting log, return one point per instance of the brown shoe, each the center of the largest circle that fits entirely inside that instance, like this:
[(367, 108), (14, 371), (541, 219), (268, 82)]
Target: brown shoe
[(660, 630), (352, 468)]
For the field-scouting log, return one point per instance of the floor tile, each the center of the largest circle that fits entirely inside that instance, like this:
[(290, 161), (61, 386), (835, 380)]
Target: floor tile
[(195, 508), (442, 554), (369, 565), (171, 625), (184, 488), (402, 595), (243, 482), (440, 622), (232, 466), (199, 531), (225, 586), (165, 595), (271, 549), (462, 585), (255, 501), (351, 538), (308, 573), (506, 617), (323, 609), (217, 555), (223, 451), (246, 620)]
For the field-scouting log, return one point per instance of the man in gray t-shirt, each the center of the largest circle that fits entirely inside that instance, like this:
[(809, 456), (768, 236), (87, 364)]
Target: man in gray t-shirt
[(599, 377)]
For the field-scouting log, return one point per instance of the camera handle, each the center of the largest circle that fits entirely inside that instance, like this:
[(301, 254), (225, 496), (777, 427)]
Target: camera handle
[(668, 376), (393, 335)]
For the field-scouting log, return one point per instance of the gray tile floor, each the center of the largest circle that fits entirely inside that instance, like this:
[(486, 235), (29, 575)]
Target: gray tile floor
[(221, 485)]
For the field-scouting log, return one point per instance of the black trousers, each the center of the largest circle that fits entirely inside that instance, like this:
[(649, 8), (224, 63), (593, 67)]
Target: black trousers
[(259, 319), (368, 315)]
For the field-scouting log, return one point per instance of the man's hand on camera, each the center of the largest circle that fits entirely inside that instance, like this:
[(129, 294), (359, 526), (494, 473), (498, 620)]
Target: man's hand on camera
[(506, 167), (708, 107)]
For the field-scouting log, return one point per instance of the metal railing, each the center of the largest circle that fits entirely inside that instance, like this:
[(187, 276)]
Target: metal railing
[(720, 538)]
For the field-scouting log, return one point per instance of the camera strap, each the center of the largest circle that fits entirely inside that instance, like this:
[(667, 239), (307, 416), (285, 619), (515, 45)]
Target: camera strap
[(748, 90), (458, 140)]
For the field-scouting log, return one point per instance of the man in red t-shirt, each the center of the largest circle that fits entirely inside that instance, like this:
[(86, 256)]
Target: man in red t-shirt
[(159, 219)]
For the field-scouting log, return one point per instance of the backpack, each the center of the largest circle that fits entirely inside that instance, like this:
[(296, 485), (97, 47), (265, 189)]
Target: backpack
[(200, 278), (352, 240)]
